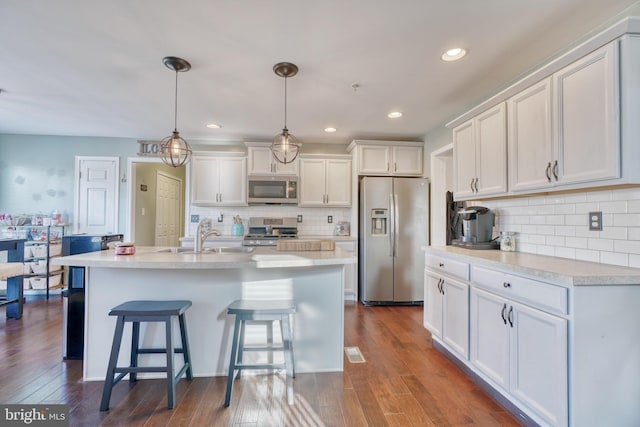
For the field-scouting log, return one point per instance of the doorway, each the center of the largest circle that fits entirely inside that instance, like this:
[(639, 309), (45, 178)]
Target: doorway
[(156, 204)]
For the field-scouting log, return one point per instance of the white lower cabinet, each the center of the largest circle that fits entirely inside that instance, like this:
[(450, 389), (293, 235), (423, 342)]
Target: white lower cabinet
[(446, 311), (522, 350), (350, 270)]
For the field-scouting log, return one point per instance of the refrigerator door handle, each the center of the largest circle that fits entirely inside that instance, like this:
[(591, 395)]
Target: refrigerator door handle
[(396, 214), (391, 227)]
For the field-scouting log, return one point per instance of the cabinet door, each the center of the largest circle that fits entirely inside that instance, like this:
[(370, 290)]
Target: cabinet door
[(286, 169), (312, 182), (530, 138), (588, 118), (455, 317), (407, 160), (338, 182), (432, 304), (233, 181), (491, 151), (204, 180), (374, 160), (260, 161), (489, 336), (464, 160), (350, 270), (539, 375)]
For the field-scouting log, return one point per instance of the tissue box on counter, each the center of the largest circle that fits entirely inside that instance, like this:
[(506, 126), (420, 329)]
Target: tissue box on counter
[(306, 245)]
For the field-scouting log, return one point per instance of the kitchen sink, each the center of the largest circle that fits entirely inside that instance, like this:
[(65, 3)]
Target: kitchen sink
[(210, 250)]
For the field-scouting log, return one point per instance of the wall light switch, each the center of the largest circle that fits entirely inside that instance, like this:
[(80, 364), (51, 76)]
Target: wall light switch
[(299, 218), (195, 219), (330, 219), (143, 211), (595, 221)]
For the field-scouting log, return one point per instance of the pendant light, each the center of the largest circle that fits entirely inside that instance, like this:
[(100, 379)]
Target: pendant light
[(285, 147), (174, 150)]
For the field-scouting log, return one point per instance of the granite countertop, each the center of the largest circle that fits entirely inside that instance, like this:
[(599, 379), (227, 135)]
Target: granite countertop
[(551, 269), (154, 257)]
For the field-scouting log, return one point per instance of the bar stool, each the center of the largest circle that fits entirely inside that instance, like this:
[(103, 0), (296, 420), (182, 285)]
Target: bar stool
[(263, 302), (148, 311)]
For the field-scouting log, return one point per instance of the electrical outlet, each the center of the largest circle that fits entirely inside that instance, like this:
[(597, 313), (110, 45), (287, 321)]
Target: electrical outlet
[(220, 217), (195, 218), (595, 221), (299, 218), (329, 219)]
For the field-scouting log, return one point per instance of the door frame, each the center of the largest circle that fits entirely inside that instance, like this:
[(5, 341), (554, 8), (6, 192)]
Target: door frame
[(76, 190), (131, 205), (441, 181)]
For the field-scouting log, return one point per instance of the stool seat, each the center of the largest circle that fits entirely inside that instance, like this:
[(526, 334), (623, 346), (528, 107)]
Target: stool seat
[(248, 307), (148, 311), (150, 308), (264, 312)]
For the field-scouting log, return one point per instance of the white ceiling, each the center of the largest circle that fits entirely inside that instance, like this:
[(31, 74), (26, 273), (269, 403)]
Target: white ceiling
[(94, 68)]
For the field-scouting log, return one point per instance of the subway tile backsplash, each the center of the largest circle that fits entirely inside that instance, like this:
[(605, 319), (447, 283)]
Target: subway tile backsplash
[(558, 225), (314, 220)]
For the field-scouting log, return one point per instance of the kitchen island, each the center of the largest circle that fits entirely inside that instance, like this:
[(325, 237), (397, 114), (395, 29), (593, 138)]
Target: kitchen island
[(212, 281)]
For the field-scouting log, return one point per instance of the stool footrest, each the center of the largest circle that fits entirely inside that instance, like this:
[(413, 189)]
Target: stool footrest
[(158, 350), (262, 366), (138, 369), (263, 348)]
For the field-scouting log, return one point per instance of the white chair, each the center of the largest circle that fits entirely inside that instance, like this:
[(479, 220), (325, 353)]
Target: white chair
[(263, 302)]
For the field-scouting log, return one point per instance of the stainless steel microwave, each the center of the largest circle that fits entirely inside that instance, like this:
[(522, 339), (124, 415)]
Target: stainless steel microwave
[(280, 190)]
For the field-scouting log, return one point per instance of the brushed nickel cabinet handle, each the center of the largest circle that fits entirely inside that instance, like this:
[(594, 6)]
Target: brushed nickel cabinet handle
[(510, 317), (547, 171), (555, 170), (504, 308)]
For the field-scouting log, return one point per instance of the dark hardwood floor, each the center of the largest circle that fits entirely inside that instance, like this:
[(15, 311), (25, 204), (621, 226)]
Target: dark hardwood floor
[(404, 382)]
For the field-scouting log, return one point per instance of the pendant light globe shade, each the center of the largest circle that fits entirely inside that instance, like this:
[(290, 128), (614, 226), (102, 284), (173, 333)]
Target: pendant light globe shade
[(175, 150), (285, 147)]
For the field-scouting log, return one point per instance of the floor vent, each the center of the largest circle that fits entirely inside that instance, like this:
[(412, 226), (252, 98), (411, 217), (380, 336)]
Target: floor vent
[(354, 355)]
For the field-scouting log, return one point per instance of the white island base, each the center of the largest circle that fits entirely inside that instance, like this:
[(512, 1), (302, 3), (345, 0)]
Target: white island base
[(318, 323)]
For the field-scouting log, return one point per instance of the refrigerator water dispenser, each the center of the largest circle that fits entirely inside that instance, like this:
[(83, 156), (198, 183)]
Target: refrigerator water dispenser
[(379, 221)]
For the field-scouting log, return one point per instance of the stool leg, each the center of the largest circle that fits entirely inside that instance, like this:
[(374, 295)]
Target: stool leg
[(243, 326), (269, 326), (135, 346), (113, 359), (185, 345), (288, 358), (171, 380), (232, 362)]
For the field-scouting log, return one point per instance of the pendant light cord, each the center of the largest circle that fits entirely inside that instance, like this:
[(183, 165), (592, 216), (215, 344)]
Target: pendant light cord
[(175, 106), (285, 102)]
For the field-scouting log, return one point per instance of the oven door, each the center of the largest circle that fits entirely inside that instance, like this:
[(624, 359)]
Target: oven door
[(273, 190)]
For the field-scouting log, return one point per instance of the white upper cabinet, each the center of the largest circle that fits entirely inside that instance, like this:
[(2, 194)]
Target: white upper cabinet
[(261, 162), (388, 158), (587, 129), (530, 138), (325, 180), (219, 180), (565, 130), (480, 155)]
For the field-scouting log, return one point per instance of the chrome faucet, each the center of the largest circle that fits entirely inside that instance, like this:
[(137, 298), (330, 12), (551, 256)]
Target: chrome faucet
[(202, 235)]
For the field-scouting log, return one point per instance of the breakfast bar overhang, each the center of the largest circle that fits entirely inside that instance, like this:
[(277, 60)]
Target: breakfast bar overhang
[(212, 282)]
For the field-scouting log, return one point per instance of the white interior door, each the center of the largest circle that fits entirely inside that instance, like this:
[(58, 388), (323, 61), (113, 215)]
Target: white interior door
[(168, 208), (96, 195)]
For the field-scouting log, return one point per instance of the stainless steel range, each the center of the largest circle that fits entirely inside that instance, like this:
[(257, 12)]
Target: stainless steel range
[(267, 231)]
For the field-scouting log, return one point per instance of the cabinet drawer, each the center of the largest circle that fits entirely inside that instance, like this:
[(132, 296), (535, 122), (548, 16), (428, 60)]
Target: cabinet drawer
[(447, 266), (547, 297)]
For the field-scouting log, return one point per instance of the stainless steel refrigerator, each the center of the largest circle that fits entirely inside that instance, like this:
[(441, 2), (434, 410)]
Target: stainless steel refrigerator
[(393, 227)]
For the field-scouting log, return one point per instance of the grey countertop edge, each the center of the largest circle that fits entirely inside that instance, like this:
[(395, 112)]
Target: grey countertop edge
[(149, 258), (557, 270)]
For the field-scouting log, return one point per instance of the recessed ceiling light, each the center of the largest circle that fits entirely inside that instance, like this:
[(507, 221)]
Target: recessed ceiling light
[(454, 54), (214, 126), (394, 114), (330, 130)]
